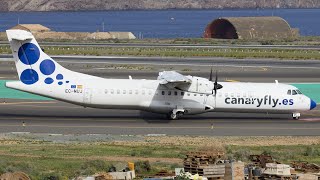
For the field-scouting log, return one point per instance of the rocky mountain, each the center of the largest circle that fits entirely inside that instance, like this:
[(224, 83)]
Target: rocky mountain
[(76, 5)]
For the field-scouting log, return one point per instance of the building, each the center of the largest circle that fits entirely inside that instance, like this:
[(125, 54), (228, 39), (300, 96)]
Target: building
[(250, 28)]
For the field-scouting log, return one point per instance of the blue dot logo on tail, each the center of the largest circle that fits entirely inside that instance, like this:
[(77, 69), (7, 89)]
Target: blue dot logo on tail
[(59, 77), (47, 67), (29, 53), (29, 76), (48, 80)]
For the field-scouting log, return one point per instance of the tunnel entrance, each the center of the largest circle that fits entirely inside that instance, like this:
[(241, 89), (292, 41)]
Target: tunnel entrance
[(221, 29)]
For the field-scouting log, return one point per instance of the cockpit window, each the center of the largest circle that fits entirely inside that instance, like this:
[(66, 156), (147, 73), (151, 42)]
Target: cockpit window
[(294, 92), (289, 92), (298, 91)]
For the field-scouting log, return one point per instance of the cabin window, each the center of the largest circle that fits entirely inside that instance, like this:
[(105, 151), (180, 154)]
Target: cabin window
[(143, 92), (182, 93), (201, 94), (150, 92), (176, 93), (238, 94), (188, 94), (169, 93), (163, 93), (118, 91), (244, 95), (112, 91), (289, 92), (137, 92), (130, 91), (124, 92), (106, 91), (232, 94)]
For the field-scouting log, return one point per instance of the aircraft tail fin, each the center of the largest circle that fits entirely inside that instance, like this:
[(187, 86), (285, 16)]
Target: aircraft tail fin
[(33, 65)]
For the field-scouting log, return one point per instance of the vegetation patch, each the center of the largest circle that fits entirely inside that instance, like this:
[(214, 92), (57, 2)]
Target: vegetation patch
[(47, 160)]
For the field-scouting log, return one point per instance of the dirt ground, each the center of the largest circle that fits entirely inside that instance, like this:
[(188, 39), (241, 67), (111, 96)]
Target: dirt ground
[(218, 141)]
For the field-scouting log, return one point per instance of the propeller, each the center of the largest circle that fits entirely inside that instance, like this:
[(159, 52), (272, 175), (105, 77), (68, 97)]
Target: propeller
[(216, 85)]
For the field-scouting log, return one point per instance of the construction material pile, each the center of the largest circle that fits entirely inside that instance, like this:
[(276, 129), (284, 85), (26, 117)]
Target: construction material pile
[(206, 164)]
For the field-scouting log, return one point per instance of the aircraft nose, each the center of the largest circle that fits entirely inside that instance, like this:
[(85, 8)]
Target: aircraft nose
[(313, 104)]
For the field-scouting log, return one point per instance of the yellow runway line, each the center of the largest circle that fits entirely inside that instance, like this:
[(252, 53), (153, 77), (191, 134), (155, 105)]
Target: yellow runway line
[(231, 80)]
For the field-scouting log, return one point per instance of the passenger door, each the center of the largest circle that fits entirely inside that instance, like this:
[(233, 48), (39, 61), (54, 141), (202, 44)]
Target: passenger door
[(87, 96)]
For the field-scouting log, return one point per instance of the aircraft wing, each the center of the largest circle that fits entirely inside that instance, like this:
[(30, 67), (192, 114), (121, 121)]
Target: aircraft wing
[(172, 79)]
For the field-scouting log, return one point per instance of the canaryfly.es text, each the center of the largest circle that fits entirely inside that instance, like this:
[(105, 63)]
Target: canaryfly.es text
[(266, 100)]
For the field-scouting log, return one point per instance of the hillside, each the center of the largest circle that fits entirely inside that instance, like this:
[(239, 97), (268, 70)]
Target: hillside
[(75, 5)]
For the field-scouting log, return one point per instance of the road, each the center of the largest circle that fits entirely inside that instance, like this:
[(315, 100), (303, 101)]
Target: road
[(56, 117)]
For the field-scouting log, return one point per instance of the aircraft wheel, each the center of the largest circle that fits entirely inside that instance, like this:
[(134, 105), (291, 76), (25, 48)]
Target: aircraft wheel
[(172, 116), (296, 116)]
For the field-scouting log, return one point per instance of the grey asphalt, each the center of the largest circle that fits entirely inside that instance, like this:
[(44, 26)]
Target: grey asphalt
[(62, 118), (152, 45), (58, 117)]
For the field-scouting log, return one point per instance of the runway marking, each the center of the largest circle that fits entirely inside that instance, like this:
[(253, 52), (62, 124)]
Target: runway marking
[(108, 119), (310, 120), (261, 69), (70, 107), (23, 103), (246, 121), (201, 65), (231, 80), (169, 127), (66, 119)]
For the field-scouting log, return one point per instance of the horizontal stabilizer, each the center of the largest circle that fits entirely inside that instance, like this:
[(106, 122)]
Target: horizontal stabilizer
[(19, 35)]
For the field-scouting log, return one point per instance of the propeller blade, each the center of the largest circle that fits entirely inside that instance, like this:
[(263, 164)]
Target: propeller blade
[(216, 81), (216, 85)]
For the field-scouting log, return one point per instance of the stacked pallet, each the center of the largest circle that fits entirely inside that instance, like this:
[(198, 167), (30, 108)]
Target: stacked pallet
[(205, 164)]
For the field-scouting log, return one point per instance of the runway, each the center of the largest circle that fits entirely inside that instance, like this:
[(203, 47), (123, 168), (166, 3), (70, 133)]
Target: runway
[(17, 115), (61, 118)]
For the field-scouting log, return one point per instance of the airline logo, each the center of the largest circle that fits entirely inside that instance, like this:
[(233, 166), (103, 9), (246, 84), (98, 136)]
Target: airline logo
[(74, 89), (266, 100)]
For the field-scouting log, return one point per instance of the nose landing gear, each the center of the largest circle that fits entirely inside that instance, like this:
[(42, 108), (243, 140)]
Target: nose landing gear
[(296, 116)]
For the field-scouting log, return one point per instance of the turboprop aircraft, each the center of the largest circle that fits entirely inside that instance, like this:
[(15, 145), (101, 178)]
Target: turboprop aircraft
[(172, 93)]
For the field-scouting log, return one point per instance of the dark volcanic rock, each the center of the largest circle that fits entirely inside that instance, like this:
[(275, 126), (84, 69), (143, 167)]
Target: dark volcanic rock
[(74, 5)]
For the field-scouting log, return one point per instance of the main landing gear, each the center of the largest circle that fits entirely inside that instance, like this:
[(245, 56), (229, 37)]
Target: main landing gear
[(175, 114), (296, 116)]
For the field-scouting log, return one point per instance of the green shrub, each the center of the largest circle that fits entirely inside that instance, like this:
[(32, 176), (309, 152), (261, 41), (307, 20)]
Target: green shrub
[(142, 166)]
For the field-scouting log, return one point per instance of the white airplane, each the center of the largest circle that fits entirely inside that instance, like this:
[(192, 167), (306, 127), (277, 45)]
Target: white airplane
[(172, 94)]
